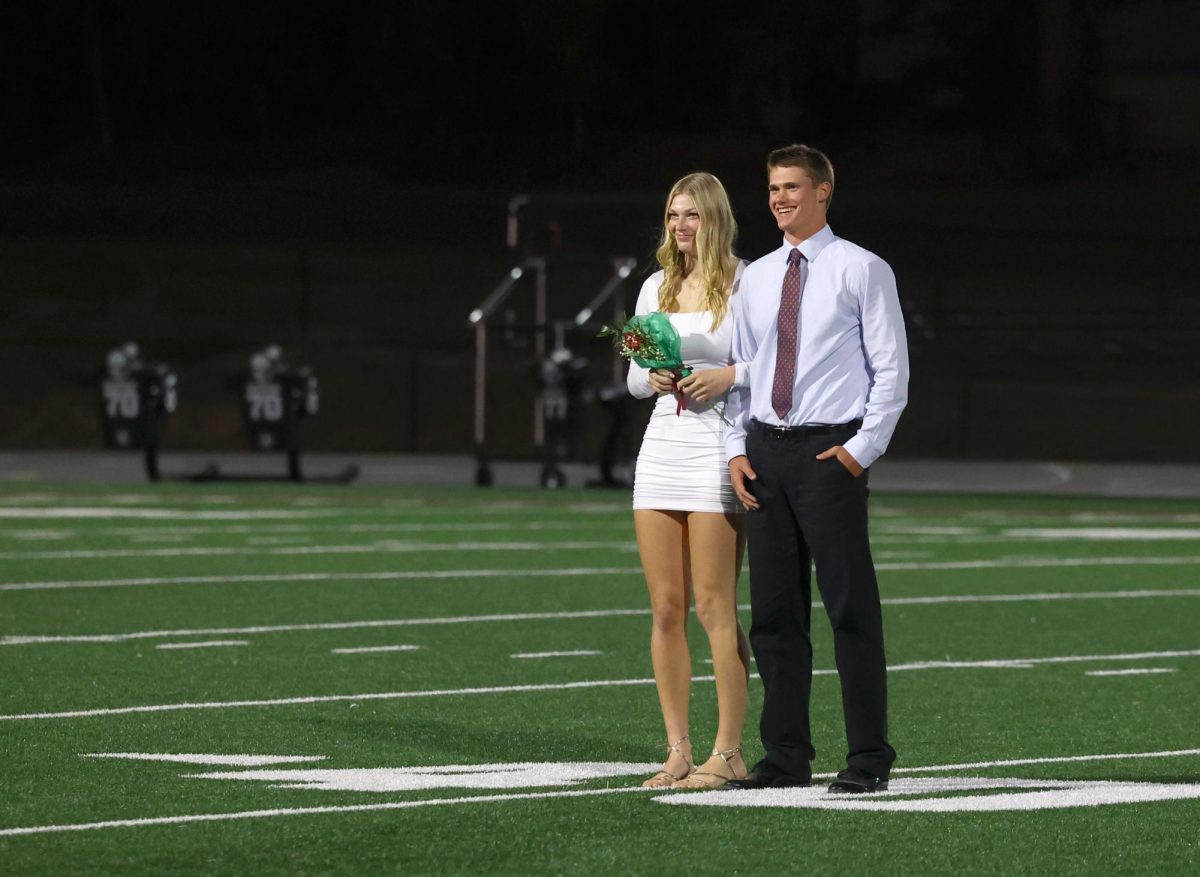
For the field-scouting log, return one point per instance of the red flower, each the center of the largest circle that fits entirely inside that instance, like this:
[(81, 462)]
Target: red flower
[(632, 341)]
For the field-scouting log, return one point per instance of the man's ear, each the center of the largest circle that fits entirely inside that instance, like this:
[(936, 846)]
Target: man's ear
[(824, 190)]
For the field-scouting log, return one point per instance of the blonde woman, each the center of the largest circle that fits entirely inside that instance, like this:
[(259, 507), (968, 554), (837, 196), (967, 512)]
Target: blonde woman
[(687, 518)]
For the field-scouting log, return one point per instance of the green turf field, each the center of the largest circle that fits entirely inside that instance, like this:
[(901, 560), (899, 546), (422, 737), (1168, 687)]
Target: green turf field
[(443, 680)]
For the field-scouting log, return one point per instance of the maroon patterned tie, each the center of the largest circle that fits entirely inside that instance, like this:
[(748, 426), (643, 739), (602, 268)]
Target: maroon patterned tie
[(785, 349)]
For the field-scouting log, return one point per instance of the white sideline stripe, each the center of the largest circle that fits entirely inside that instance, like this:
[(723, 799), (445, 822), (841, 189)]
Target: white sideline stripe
[(324, 577), (898, 566), (524, 796), (578, 652), (365, 649), (1132, 672), (207, 644), (37, 639), (1007, 663), (385, 547), (226, 760)]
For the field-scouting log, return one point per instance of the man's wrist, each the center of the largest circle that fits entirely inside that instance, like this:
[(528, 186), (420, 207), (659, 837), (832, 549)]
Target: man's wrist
[(859, 448)]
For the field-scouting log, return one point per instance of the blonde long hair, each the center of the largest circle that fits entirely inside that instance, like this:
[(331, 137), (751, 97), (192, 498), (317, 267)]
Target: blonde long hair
[(714, 246)]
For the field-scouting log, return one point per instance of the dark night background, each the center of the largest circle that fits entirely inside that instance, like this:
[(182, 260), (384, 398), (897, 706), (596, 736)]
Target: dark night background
[(205, 178)]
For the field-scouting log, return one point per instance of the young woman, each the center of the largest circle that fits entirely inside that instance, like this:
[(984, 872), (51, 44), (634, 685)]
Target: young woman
[(687, 518)]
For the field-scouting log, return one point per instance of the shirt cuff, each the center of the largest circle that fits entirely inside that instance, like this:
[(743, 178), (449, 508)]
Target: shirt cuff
[(859, 447), (735, 446)]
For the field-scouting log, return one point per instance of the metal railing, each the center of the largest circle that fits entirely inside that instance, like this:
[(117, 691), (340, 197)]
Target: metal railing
[(536, 267)]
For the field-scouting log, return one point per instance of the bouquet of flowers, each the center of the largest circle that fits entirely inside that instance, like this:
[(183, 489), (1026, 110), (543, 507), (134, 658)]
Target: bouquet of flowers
[(652, 342)]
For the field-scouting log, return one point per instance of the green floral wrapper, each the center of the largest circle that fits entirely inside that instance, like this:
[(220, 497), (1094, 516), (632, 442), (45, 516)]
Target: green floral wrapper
[(651, 341)]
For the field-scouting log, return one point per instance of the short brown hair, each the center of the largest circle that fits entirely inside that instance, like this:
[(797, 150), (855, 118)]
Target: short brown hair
[(812, 161)]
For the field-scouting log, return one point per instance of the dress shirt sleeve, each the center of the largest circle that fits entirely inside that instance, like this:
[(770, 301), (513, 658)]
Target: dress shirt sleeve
[(741, 370), (885, 348), (737, 403), (638, 378)]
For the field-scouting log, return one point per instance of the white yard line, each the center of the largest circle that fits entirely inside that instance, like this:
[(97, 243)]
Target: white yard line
[(393, 575), (897, 566), (534, 655), (326, 528), (1143, 671), (1103, 534), (104, 512), (368, 649), (1007, 663), (522, 796), (336, 698), (207, 644), (224, 760), (43, 639), (1041, 563), (302, 811), (384, 547), (886, 535), (892, 528), (1040, 597), (1128, 518), (982, 539), (328, 625), (1030, 662), (1057, 759), (391, 527)]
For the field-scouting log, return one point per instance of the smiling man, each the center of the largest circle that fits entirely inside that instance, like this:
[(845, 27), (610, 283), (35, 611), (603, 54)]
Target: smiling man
[(819, 323)]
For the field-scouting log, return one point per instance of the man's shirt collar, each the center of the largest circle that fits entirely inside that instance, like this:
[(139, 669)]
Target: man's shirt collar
[(810, 248)]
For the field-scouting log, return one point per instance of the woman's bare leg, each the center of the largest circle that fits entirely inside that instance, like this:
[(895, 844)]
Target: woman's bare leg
[(663, 544), (716, 546)]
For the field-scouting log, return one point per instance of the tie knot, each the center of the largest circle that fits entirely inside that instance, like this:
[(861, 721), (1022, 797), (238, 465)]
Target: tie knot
[(794, 258)]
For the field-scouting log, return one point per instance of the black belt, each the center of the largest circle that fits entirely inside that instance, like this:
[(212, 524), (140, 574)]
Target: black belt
[(804, 430)]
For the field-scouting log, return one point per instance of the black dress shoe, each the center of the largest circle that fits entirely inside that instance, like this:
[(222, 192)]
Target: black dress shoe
[(856, 781), (765, 779)]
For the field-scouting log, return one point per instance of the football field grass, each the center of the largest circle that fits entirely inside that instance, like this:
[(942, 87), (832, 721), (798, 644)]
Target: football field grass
[(260, 679)]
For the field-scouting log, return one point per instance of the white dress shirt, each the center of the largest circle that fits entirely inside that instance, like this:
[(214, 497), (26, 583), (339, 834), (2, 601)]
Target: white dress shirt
[(851, 351)]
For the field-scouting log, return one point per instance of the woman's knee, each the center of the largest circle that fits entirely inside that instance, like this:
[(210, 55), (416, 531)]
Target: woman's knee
[(717, 615), (668, 614)]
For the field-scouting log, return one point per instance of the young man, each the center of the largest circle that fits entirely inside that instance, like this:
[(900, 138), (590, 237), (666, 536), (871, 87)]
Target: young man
[(819, 322)]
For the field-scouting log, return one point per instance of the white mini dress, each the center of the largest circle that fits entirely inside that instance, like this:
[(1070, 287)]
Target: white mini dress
[(681, 465)]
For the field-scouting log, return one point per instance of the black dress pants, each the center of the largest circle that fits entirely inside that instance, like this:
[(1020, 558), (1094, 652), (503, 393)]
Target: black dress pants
[(813, 511)]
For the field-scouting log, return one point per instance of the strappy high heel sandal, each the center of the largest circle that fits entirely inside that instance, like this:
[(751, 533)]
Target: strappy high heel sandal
[(706, 779), (664, 779)]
